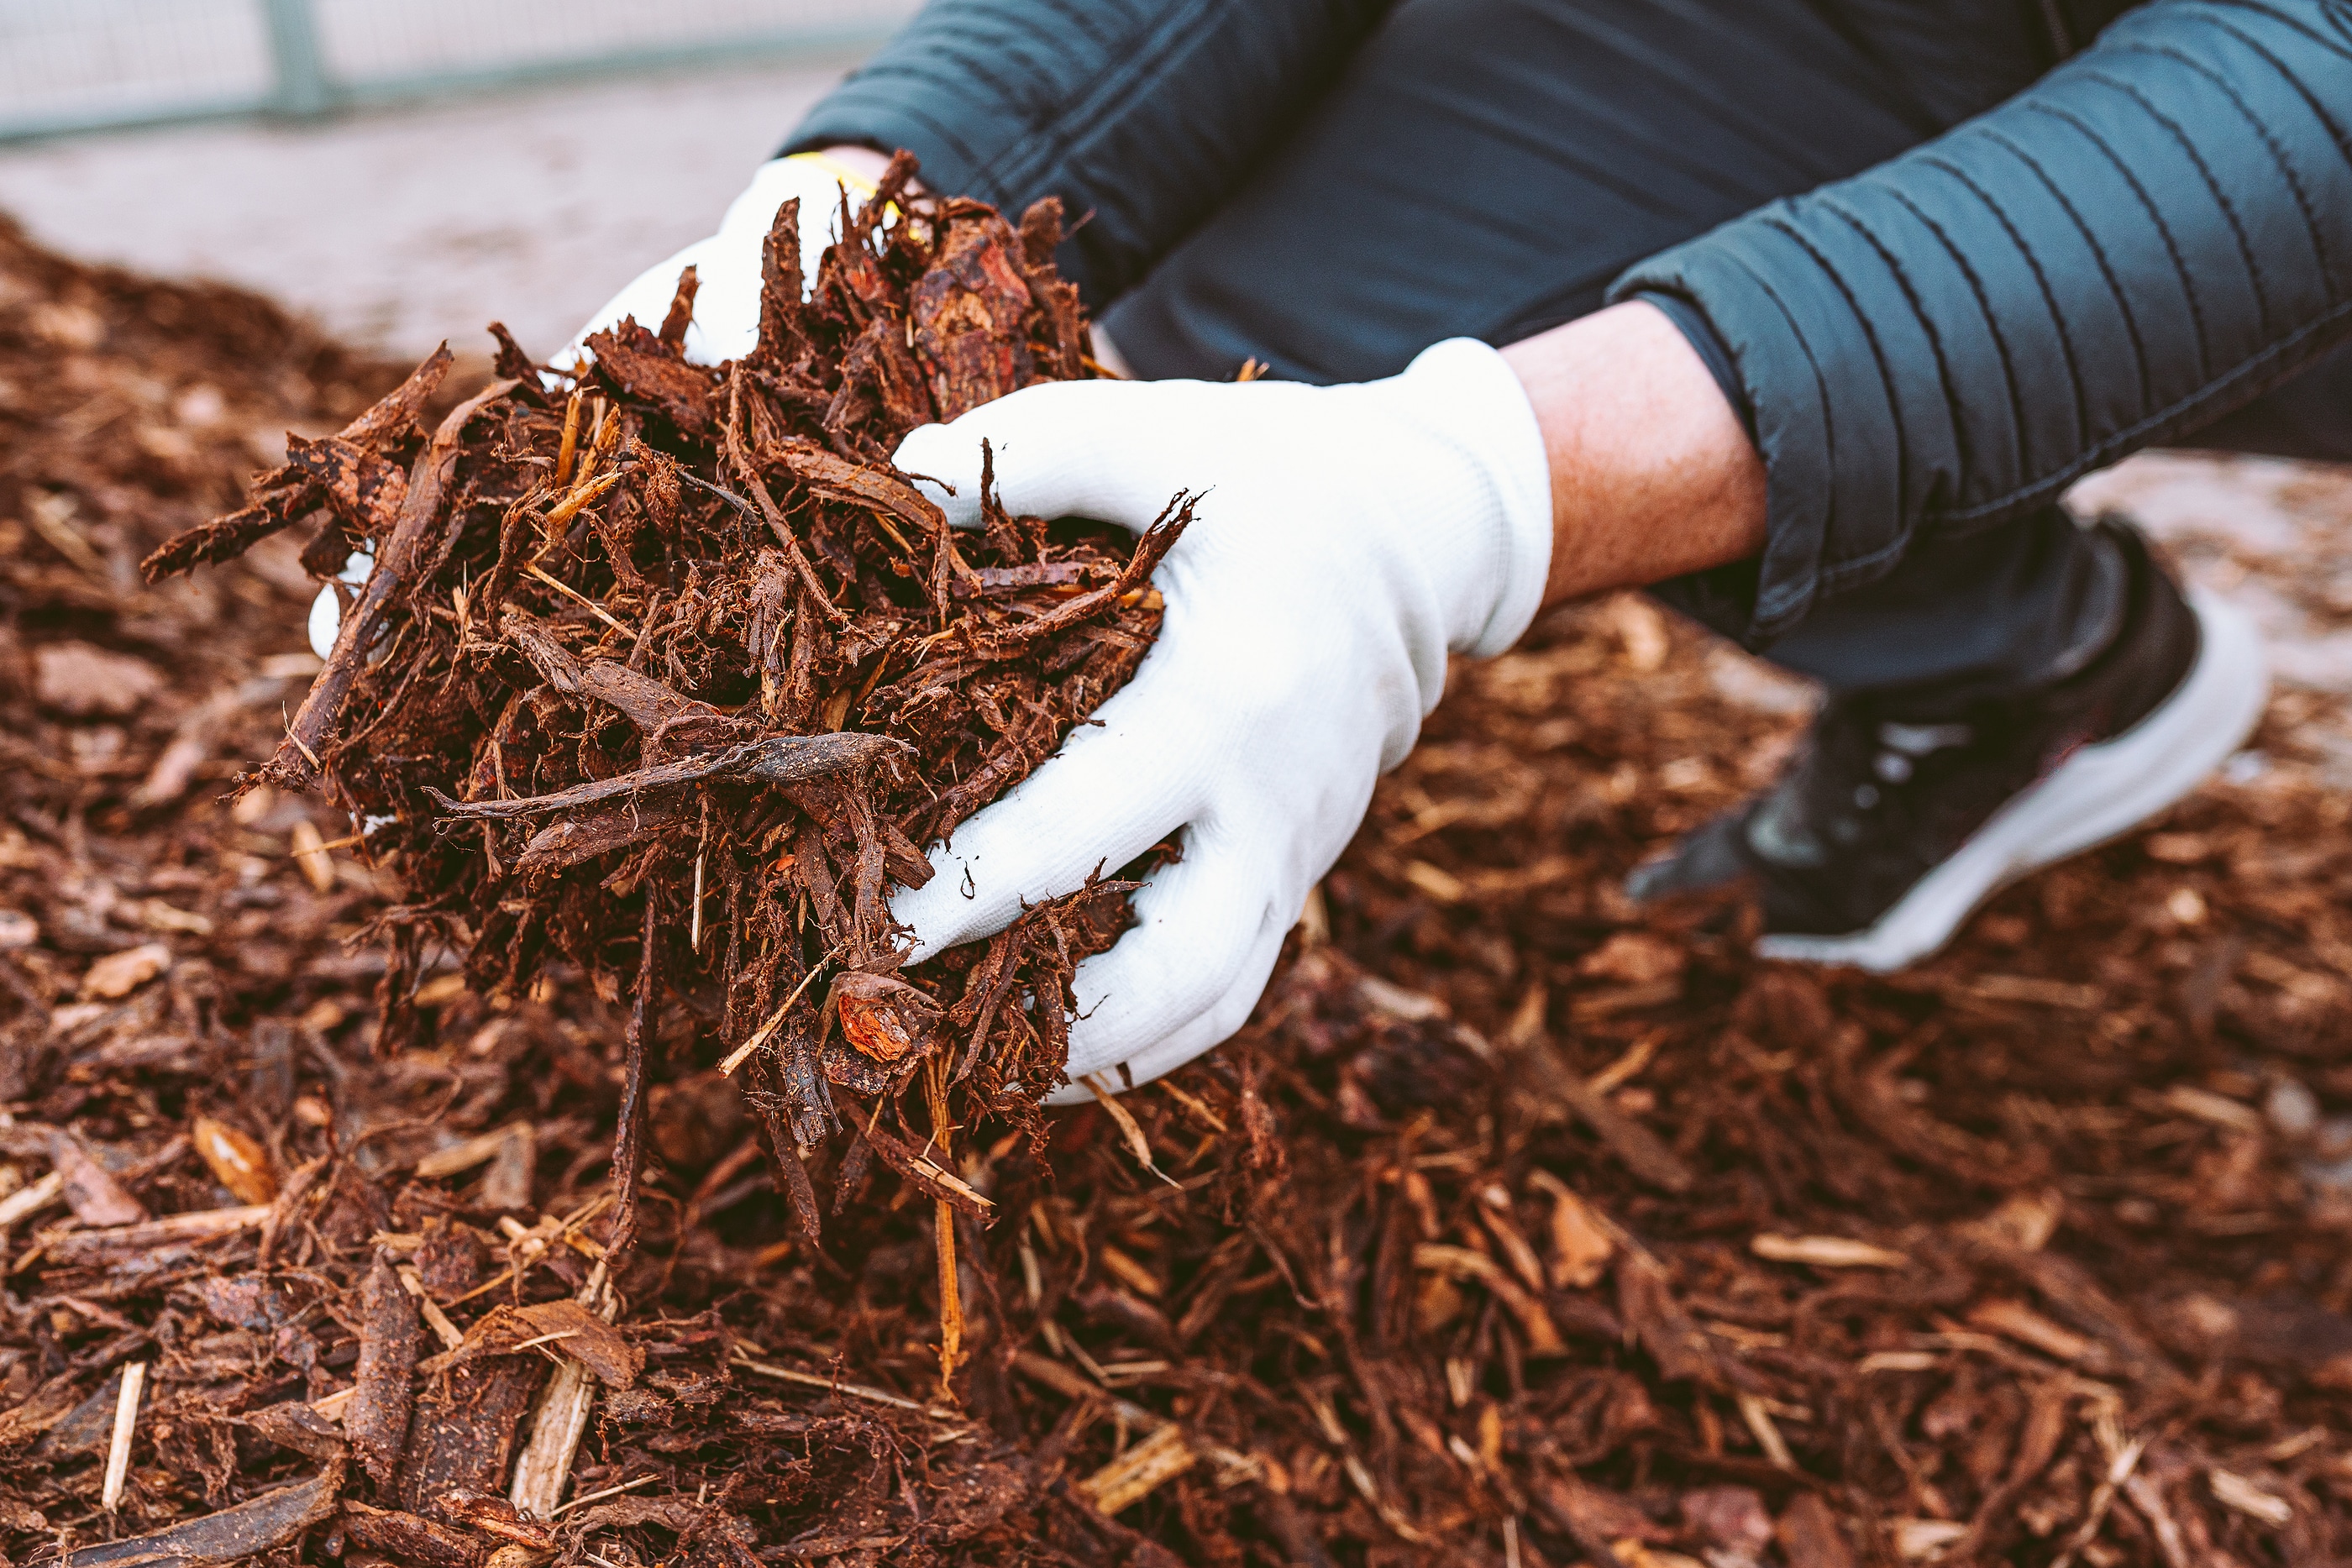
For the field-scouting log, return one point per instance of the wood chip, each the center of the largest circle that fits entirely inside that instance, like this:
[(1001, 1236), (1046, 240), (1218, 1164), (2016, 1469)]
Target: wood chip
[(28, 1201), (1644, 1153), (1463, 1263), (588, 1338), (120, 973), (78, 678), (1626, 1068), (1495, 1210), (1396, 1001), (2235, 1491), (308, 848), (545, 1468), (232, 1535), (1809, 1536), (465, 1155), (1826, 1252), (1753, 1411), (384, 1390), (1924, 1540), (2148, 1497), (1581, 1246), (512, 1171), (450, 1335), (1130, 1272), (126, 1426), (2036, 991), (2218, 1109), (91, 1190), (2024, 1221), (409, 1539), (1128, 1128), (88, 1247), (238, 1161), (1135, 1474), (2120, 1466), (832, 1385), (2013, 1320), (1440, 884)]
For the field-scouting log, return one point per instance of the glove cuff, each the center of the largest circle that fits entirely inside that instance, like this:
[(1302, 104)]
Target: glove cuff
[(1471, 399)]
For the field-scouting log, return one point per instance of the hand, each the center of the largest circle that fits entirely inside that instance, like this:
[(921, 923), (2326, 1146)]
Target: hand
[(1347, 538), (726, 302), (727, 265)]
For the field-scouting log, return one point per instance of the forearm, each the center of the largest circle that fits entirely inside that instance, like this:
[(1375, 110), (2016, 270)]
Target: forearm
[(2149, 236), (1651, 474)]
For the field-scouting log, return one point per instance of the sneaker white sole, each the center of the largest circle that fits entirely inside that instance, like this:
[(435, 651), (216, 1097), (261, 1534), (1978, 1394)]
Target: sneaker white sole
[(2101, 792)]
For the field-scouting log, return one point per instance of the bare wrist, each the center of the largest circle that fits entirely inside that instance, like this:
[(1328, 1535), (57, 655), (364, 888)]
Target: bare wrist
[(1652, 475)]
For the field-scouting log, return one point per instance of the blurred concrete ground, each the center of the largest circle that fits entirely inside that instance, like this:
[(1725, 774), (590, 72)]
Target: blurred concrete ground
[(399, 227)]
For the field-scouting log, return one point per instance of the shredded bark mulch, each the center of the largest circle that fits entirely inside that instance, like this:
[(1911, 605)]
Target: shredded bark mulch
[(1514, 1229)]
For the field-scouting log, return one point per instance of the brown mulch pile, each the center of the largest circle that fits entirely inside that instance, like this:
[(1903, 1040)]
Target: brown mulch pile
[(1514, 1229), (596, 703)]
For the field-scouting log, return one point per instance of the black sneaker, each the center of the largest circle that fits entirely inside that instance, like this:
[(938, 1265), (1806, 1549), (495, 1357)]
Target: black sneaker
[(1903, 814)]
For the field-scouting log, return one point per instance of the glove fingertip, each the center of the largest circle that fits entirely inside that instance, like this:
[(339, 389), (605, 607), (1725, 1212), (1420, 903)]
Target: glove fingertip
[(946, 475), (937, 924), (326, 619), (1057, 449)]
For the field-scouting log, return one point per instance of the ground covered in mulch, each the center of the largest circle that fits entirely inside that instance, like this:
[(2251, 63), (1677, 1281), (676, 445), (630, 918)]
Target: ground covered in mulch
[(1513, 1230)]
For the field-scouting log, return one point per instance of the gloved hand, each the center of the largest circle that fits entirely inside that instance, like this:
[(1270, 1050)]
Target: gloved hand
[(1350, 536), (725, 308), (727, 265)]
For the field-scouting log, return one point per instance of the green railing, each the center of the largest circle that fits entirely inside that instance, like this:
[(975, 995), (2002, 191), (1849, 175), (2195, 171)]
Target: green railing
[(277, 58)]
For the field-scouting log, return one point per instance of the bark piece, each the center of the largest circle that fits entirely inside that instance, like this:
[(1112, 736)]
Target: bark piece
[(858, 484), (411, 1538), (49, 1404), (268, 1522), (364, 490), (463, 1435), (285, 494), (389, 1334), (777, 760), (91, 1247), (295, 764), (569, 1331), (967, 313), (119, 974), (638, 364), (1641, 1150), (91, 1191), (495, 1516)]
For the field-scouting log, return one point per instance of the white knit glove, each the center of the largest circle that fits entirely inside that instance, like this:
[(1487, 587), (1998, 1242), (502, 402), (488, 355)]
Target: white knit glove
[(1349, 538), (726, 306)]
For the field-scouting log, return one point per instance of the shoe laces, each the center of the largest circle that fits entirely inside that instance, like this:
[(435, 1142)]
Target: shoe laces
[(1850, 786)]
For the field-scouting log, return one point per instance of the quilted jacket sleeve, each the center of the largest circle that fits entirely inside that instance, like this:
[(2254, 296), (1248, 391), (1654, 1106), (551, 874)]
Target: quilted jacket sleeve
[(1142, 113), (2152, 234)]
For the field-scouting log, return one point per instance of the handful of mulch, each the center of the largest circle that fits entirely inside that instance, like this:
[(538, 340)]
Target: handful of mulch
[(665, 670)]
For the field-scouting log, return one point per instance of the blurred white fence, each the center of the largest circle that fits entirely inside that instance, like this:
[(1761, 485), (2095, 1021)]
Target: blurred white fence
[(88, 65)]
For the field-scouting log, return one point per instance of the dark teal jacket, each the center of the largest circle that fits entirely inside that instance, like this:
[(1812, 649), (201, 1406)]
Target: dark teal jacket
[(2120, 225)]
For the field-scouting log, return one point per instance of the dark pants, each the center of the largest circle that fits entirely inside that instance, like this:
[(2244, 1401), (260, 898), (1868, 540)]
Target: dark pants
[(1485, 168)]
